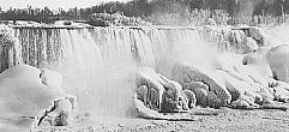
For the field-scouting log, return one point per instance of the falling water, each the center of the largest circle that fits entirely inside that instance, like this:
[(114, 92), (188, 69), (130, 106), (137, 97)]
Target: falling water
[(98, 64)]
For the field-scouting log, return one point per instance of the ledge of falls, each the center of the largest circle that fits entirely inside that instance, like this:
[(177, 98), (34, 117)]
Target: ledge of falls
[(227, 38)]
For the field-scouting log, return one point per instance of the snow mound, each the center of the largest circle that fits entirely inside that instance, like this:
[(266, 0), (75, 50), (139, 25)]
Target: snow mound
[(23, 96)]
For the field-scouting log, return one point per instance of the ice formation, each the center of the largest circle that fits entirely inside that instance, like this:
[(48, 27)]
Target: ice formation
[(112, 70)]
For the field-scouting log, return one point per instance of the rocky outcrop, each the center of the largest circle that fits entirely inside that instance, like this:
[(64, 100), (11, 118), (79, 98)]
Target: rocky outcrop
[(147, 113), (272, 65), (209, 85), (244, 94), (280, 90), (158, 92), (177, 104), (248, 86), (236, 86), (148, 78), (23, 96), (59, 113)]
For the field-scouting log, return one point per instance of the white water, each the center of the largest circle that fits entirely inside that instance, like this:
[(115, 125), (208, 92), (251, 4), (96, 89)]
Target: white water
[(278, 35), (98, 65)]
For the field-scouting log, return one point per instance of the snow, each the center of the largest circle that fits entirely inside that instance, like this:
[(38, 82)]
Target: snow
[(22, 95)]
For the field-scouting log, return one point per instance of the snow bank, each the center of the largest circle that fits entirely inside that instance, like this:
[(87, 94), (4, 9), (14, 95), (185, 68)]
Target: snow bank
[(23, 96)]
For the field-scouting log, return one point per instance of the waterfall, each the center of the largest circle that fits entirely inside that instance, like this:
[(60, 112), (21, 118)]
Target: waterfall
[(98, 64)]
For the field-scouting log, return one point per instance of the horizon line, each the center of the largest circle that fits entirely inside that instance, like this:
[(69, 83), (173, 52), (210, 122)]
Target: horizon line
[(61, 4)]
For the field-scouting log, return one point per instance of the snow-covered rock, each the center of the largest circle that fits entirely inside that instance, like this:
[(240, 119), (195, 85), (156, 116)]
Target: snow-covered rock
[(278, 59), (51, 78), (23, 96), (186, 73)]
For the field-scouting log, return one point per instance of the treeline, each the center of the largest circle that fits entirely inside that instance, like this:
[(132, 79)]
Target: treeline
[(148, 8)]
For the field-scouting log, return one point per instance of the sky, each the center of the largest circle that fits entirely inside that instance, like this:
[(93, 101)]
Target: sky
[(53, 4)]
